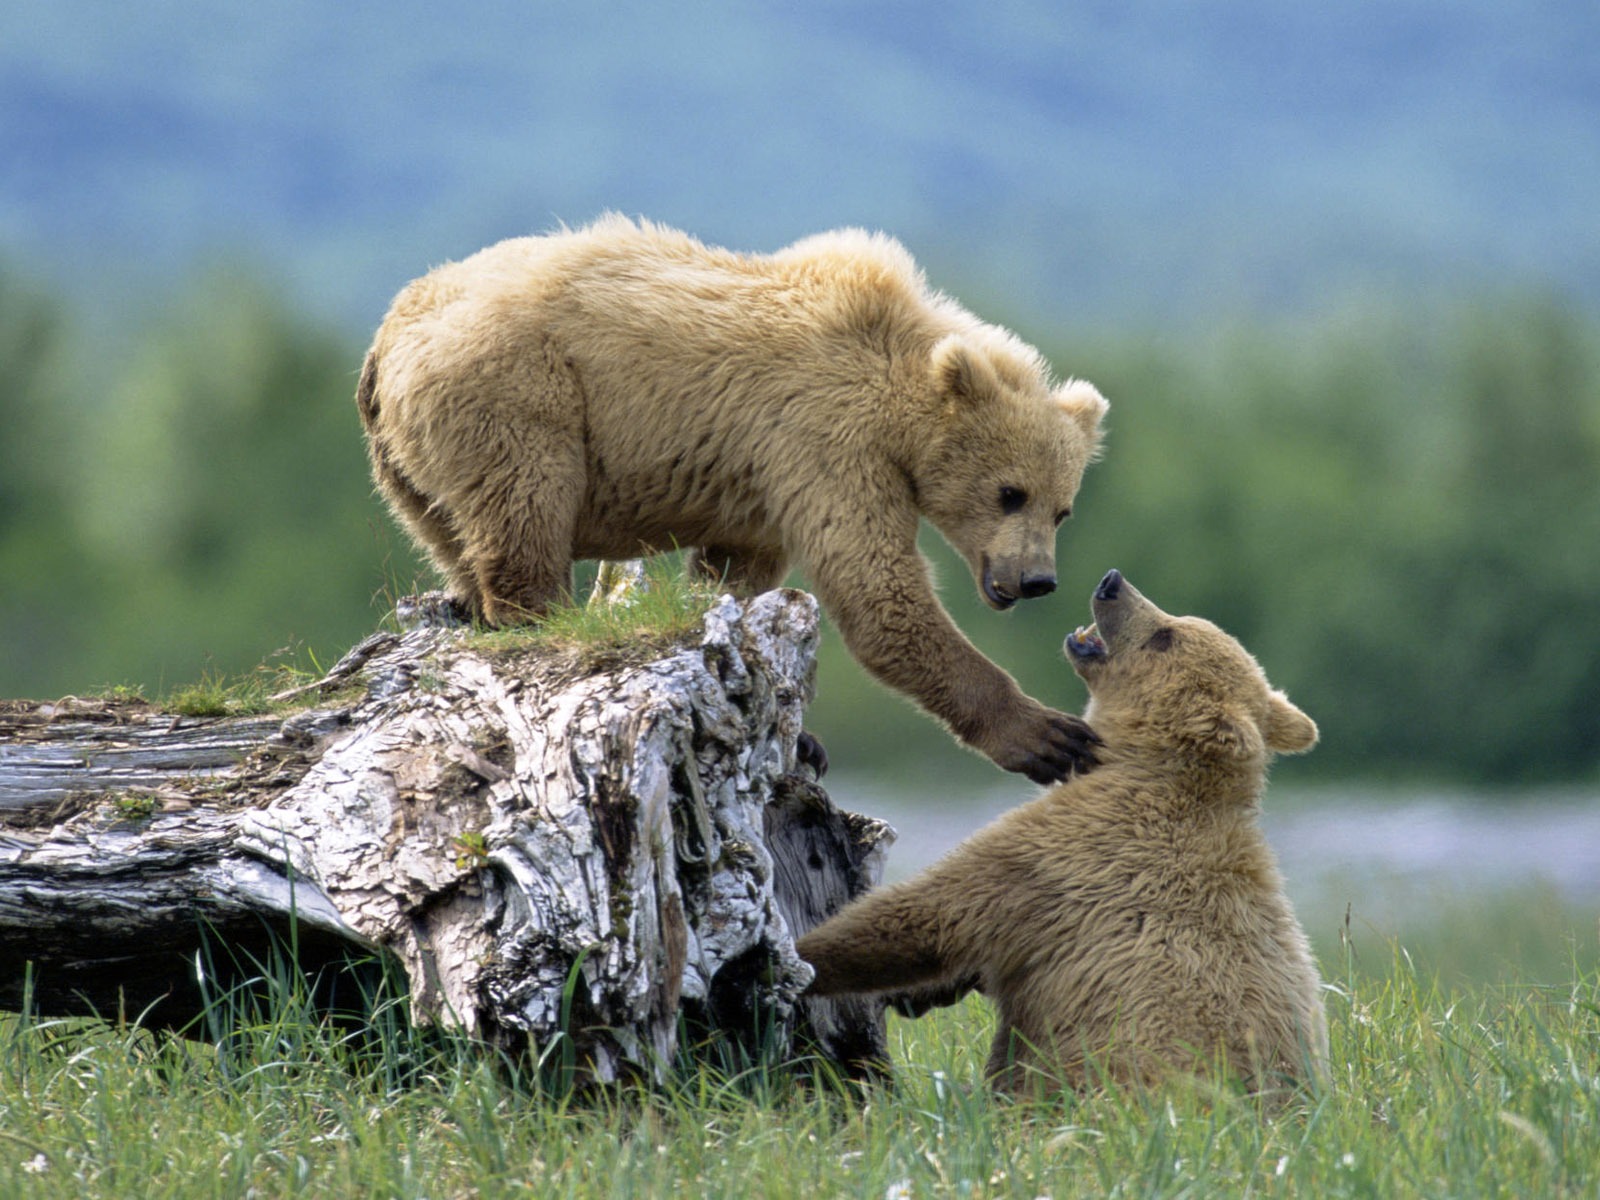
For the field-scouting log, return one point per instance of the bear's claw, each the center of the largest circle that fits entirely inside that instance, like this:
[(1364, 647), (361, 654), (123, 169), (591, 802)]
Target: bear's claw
[(1069, 750), (808, 752)]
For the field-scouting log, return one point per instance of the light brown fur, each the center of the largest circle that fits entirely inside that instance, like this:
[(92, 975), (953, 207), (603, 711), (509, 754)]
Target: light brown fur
[(1131, 922), (622, 389)]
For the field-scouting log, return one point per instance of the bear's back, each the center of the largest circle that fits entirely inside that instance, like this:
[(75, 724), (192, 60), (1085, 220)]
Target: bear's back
[(628, 291)]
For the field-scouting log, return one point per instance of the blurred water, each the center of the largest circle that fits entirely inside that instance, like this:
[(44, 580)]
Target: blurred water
[(1458, 842), (1328, 840)]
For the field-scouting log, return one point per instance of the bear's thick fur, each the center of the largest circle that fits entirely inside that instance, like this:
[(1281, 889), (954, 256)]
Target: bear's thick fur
[(1131, 922), (623, 389)]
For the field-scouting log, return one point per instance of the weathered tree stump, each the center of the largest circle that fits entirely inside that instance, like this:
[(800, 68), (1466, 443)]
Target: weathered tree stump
[(528, 838)]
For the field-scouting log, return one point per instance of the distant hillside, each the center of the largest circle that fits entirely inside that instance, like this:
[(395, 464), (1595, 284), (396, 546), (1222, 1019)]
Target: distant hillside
[(1076, 163)]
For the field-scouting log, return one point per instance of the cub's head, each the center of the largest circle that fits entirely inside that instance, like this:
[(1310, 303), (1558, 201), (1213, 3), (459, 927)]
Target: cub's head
[(1178, 683), (1004, 464)]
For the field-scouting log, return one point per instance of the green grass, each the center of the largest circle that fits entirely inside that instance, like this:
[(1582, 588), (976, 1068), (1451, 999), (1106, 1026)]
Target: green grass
[(668, 607), (215, 694), (1487, 1089), (1464, 939)]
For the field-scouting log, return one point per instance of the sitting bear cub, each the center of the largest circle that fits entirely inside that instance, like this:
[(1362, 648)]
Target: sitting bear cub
[(1131, 922)]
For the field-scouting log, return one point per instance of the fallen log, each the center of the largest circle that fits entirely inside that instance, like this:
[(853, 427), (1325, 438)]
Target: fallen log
[(614, 855)]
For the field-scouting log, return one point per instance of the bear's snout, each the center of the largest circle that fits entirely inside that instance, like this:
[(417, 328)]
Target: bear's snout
[(1039, 584), (1004, 584), (1115, 603)]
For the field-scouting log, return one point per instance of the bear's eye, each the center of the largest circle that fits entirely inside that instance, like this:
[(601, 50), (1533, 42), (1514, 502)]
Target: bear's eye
[(1063, 515), (1161, 639), (1012, 499)]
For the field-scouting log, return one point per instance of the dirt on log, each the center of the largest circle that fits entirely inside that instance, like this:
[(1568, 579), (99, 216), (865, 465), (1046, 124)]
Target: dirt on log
[(615, 855)]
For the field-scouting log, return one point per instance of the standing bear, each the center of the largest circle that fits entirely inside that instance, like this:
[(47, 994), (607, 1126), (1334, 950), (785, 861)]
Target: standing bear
[(1131, 922), (622, 389)]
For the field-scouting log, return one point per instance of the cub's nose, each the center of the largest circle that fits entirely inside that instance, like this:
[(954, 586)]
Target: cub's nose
[(1110, 587), (1037, 585)]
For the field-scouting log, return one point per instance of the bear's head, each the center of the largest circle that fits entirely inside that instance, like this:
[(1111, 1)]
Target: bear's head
[(1179, 684), (1001, 470)]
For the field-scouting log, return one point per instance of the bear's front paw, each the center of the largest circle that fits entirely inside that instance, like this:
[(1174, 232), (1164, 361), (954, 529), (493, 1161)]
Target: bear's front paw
[(1048, 746)]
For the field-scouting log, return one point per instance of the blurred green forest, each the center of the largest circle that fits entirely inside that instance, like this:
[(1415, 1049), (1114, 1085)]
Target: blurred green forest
[(186, 497), (1397, 509)]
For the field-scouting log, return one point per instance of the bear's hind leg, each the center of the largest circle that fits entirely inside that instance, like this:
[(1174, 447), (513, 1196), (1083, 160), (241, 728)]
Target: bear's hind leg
[(423, 517), (519, 584), (1031, 1064), (522, 523), (432, 528), (1009, 1056)]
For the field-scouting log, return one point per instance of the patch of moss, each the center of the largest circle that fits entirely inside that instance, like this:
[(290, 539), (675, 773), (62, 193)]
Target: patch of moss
[(621, 910), (471, 850), (136, 806)]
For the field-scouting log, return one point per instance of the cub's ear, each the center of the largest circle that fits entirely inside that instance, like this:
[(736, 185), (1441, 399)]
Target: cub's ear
[(960, 373), (1083, 402), (1289, 731)]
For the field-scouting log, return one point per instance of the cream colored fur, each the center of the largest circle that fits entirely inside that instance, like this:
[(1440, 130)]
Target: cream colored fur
[(1131, 922), (623, 389)]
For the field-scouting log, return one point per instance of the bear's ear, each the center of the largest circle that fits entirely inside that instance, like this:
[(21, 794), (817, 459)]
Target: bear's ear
[(1083, 402), (960, 373), (1289, 731)]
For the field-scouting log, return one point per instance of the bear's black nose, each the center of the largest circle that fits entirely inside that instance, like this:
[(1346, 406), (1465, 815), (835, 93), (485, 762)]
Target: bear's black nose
[(1110, 587), (1037, 585)]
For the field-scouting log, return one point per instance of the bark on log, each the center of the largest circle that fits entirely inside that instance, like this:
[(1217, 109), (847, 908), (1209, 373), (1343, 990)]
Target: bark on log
[(524, 835)]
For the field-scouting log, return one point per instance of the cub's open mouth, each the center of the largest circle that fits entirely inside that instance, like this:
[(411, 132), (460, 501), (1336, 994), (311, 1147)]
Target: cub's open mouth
[(1085, 642)]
